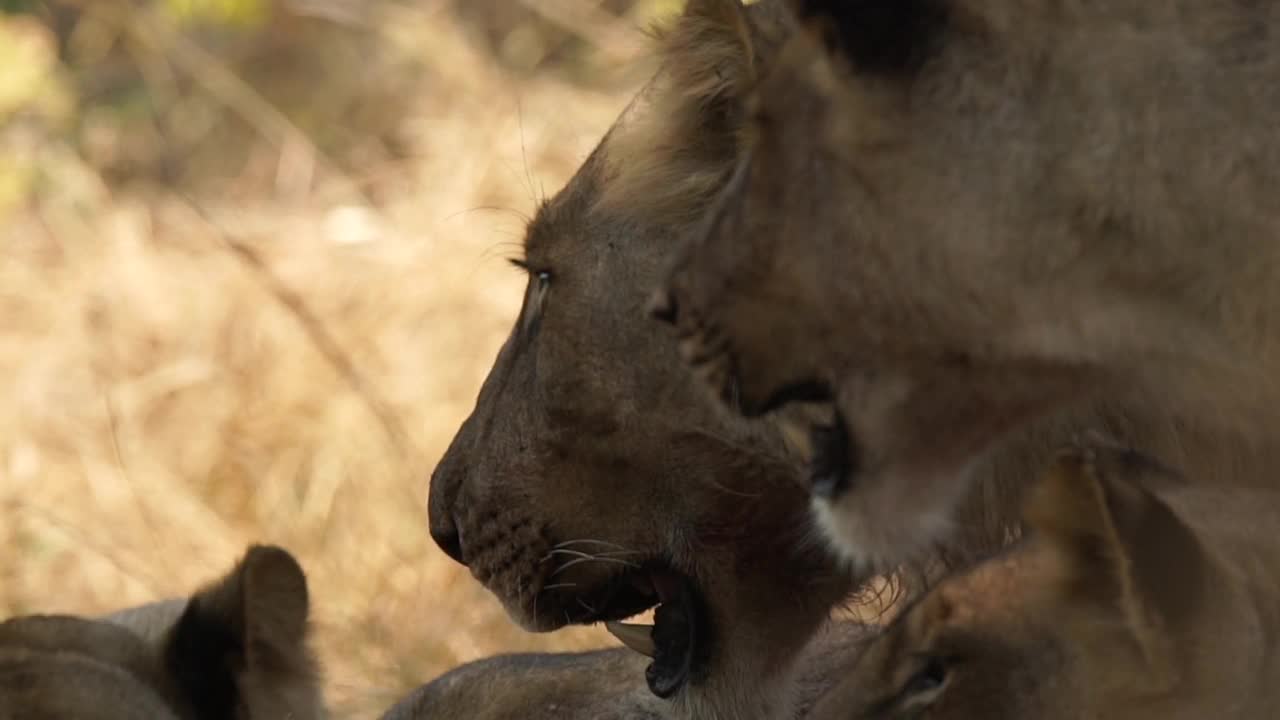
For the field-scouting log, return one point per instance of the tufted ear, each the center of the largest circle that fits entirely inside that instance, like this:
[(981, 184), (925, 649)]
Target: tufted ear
[(241, 643), (710, 51), (881, 36), (679, 146), (1124, 558)]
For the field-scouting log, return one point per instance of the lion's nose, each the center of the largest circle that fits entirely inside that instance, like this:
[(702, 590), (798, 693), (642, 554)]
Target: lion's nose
[(441, 517), (448, 537), (663, 306)]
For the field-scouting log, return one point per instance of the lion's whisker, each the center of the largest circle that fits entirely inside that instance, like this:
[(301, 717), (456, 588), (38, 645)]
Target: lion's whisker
[(589, 541), (571, 553), (579, 561)]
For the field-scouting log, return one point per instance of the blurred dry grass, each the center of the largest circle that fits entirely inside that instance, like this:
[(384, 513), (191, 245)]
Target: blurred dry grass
[(251, 277)]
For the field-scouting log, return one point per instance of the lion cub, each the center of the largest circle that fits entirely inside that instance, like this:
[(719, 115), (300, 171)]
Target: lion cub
[(1136, 597), (235, 650), (956, 218)]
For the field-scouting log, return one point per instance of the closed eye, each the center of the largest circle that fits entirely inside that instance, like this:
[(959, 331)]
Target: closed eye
[(925, 686)]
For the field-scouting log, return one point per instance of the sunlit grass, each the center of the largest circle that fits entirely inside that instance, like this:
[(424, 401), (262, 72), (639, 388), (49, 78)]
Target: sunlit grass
[(167, 399)]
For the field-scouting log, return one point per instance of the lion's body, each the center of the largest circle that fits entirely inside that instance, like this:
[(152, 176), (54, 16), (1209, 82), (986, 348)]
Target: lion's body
[(236, 650), (1140, 596), (600, 685), (963, 221), (603, 685)]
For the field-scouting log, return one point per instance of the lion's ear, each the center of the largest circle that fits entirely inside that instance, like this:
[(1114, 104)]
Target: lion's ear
[(876, 35), (241, 642), (1123, 557), (679, 146), (710, 54)]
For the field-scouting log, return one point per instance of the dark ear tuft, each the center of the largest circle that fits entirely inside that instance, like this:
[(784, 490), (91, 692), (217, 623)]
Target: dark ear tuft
[(883, 36), (241, 643), (276, 600)]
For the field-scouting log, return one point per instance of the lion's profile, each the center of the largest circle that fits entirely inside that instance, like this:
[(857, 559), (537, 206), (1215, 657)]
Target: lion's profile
[(592, 481), (1138, 595), (956, 219), (236, 650)]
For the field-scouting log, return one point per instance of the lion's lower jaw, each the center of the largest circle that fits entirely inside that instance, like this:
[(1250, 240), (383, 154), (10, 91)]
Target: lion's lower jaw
[(525, 618)]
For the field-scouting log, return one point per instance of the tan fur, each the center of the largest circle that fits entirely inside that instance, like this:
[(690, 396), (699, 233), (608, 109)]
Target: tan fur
[(236, 650), (1049, 212), (600, 685), (1139, 595)]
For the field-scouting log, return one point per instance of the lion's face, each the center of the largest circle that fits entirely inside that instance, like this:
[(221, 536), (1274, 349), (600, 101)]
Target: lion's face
[(593, 480), (967, 650), (847, 261), (796, 291), (957, 218), (1115, 607), (236, 650)]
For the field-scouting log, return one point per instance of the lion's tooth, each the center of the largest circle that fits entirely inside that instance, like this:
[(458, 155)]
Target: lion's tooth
[(798, 439), (636, 637)]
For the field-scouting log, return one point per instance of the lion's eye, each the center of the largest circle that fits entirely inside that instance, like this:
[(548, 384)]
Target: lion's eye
[(930, 678), (924, 687), (542, 276)]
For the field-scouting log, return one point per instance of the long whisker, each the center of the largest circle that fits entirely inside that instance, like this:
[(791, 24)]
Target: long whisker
[(579, 561), (578, 554), (571, 553), (588, 541), (559, 586)]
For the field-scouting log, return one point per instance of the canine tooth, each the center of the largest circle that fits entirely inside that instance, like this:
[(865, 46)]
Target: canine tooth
[(636, 637), (798, 438)]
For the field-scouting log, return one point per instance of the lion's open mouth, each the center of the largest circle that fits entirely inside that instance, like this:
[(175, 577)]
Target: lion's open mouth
[(679, 639)]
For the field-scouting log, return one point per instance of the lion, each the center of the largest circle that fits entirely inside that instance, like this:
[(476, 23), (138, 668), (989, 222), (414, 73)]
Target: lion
[(957, 220), (593, 480), (1138, 594), (236, 650), (601, 684)]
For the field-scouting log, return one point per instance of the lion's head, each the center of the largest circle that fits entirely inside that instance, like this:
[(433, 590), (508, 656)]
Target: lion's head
[(593, 481), (236, 650), (957, 218), (1137, 595)]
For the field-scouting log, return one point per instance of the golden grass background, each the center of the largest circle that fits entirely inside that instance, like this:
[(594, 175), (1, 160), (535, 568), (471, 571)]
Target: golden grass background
[(251, 277)]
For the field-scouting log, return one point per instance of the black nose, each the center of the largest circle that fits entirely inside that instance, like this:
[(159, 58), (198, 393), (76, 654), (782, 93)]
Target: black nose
[(448, 538), (442, 516), (663, 307)]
